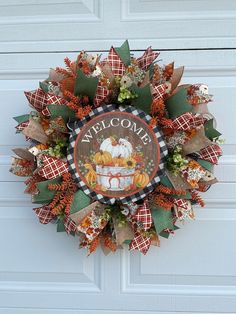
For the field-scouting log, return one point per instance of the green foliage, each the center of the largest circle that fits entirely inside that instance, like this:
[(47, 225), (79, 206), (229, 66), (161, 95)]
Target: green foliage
[(178, 104), (60, 225), (210, 131), (162, 218), (124, 52), (22, 118), (80, 201), (175, 162), (45, 195), (85, 85), (61, 111), (144, 99), (126, 94), (58, 149)]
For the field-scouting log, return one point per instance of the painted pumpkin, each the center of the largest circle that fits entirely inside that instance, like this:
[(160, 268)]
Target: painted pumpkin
[(91, 175), (119, 161), (141, 178), (102, 158), (117, 148)]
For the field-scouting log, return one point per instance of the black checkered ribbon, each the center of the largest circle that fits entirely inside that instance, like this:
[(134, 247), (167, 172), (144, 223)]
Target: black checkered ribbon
[(76, 127)]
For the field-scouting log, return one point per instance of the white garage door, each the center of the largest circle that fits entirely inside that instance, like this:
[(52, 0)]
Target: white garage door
[(44, 272)]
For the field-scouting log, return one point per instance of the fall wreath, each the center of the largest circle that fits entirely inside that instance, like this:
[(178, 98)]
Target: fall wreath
[(118, 150)]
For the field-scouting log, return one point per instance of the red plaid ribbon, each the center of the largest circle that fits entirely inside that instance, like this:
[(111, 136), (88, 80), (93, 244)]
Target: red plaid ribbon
[(140, 243), (22, 125), (69, 225), (181, 203), (44, 214), (197, 120), (187, 121), (144, 216), (147, 58), (37, 99), (167, 230), (158, 91), (211, 153), (52, 167), (53, 100), (46, 112), (117, 66), (100, 95)]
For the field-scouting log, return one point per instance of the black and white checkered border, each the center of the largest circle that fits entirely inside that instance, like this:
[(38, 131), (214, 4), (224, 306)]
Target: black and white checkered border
[(76, 128)]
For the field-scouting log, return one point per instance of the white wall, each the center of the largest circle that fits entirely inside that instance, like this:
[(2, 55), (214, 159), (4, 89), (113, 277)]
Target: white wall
[(44, 272)]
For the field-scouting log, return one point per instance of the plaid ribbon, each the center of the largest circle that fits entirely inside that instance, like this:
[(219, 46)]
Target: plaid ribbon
[(197, 120), (100, 95), (158, 91), (183, 209), (144, 216), (140, 243), (170, 231), (117, 66), (44, 214), (181, 203), (147, 58), (187, 121), (37, 99), (52, 167), (211, 153), (53, 100), (69, 225), (22, 125)]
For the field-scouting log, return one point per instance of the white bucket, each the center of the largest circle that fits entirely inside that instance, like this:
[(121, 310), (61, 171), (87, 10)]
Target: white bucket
[(114, 178)]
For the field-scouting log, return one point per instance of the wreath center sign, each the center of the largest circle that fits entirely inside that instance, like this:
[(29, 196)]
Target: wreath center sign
[(116, 154)]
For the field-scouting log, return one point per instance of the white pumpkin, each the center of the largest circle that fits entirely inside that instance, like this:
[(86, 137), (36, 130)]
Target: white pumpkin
[(121, 148), (208, 176), (202, 89), (34, 150)]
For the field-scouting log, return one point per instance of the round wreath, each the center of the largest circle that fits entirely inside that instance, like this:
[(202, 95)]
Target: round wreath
[(114, 191)]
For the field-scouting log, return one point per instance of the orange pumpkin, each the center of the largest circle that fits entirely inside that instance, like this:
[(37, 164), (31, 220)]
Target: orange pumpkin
[(91, 175), (141, 178), (102, 158), (42, 146), (118, 161)]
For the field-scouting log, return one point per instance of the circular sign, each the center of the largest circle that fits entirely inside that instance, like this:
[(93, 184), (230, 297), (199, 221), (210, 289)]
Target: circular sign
[(115, 155)]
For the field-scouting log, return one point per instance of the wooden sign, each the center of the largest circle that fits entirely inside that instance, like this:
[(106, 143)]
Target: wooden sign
[(115, 155)]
